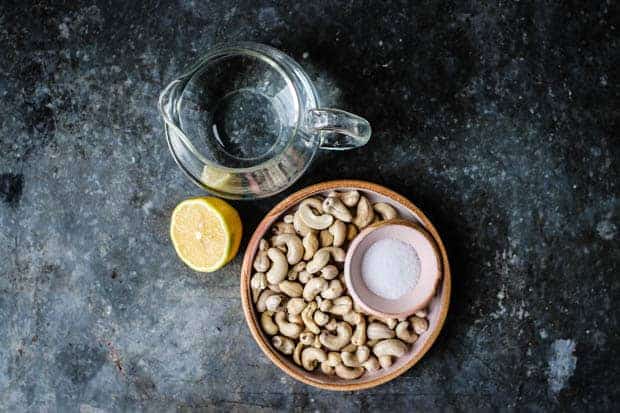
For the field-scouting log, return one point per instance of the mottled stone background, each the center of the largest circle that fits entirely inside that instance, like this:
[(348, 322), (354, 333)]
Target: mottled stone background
[(499, 119)]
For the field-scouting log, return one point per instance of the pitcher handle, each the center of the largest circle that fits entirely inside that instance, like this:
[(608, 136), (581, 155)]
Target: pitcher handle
[(345, 130)]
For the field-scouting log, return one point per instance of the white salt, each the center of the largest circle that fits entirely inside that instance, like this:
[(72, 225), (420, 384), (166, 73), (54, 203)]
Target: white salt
[(390, 268)]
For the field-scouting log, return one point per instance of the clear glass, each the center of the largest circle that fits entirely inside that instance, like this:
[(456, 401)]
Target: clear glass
[(245, 121)]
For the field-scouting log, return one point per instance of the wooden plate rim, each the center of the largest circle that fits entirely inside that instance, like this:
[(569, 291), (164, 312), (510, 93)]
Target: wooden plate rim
[(246, 270)]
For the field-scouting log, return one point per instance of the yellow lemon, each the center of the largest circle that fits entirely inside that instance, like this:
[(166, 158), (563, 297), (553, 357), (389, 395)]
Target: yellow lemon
[(205, 232)]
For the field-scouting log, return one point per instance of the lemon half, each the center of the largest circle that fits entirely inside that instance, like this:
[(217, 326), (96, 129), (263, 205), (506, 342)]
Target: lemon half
[(205, 232)]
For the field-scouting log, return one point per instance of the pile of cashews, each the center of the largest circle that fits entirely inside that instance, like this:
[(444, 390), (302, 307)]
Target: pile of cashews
[(299, 290)]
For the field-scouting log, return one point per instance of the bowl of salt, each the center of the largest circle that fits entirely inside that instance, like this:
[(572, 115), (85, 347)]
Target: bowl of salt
[(393, 268)]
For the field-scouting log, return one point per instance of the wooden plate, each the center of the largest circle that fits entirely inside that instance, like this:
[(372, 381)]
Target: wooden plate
[(438, 308)]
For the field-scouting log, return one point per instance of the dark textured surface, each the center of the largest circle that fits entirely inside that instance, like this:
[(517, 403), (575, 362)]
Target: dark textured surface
[(499, 121)]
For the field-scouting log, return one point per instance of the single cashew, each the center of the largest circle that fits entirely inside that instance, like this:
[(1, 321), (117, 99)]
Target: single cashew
[(377, 331), (291, 330), (306, 316), (311, 244), (403, 333), (389, 347), (288, 218), (421, 313), (336, 207), (294, 246), (348, 373), (258, 283), (337, 253), (314, 287), (274, 288), (267, 324), (311, 357), (350, 198), (338, 341), (385, 362), (308, 216), (320, 318), (353, 318), (329, 272), (273, 303), (359, 335), (333, 359), (341, 305), (420, 325), (295, 305), (279, 266), (333, 290), (325, 305), (284, 344), (307, 338), (262, 298), (372, 364), (261, 262), (291, 288), (320, 260), (365, 213), (386, 211), (326, 238), (295, 318), (390, 322), (263, 245), (301, 228), (355, 360), (297, 353), (339, 233), (304, 276), (283, 228), (352, 232)]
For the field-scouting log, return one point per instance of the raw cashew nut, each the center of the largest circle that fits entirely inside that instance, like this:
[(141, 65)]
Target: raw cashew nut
[(331, 326), (294, 246), (325, 305), (295, 305), (314, 287), (334, 290), (263, 245), (284, 344), (338, 341), (320, 318), (386, 211), (288, 218), (341, 305), (304, 276), (420, 325), (307, 338), (337, 253), (334, 206), (311, 357), (297, 353), (291, 288), (359, 335), (365, 213), (390, 322), (258, 283), (329, 272), (421, 313), (355, 360), (283, 228), (348, 373), (267, 324), (333, 359), (348, 348), (372, 364), (389, 347), (350, 198), (279, 266), (339, 233), (353, 318), (301, 228), (312, 220), (307, 315), (262, 298), (274, 288), (273, 302), (377, 331), (403, 333), (351, 232), (261, 262), (385, 362), (295, 318), (291, 330), (326, 238), (311, 244), (320, 260)]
